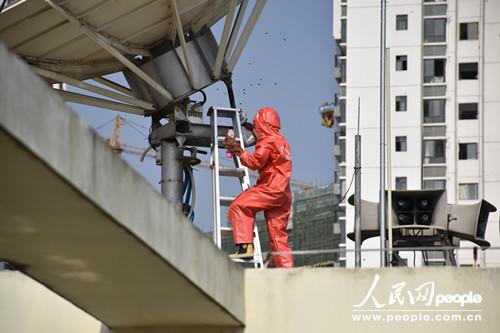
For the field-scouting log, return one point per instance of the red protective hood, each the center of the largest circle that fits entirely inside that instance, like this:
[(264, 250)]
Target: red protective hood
[(267, 122)]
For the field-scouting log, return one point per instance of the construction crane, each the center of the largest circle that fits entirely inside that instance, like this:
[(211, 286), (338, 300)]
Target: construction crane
[(115, 142)]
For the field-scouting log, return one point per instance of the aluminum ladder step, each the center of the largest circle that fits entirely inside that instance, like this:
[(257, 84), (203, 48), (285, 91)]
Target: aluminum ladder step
[(226, 231), (226, 201), (232, 172)]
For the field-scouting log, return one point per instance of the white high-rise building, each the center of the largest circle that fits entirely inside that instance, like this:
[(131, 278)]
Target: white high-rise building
[(444, 100)]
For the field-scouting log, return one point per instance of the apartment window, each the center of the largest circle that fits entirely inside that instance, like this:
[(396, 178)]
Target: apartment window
[(401, 62), (343, 31), (435, 30), (342, 91), (434, 151), (467, 151), (343, 70), (336, 228), (469, 31), (342, 151), (434, 110), (343, 11), (342, 110), (467, 111), (401, 183), (434, 70), (401, 143), (401, 22), (468, 191), (401, 104), (467, 71), (434, 184)]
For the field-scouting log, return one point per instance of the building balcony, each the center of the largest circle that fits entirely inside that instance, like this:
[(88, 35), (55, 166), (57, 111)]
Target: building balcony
[(336, 112), (337, 73), (336, 189), (337, 151)]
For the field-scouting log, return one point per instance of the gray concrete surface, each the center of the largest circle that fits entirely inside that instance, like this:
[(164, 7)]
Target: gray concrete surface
[(325, 300), (78, 219), (27, 306)]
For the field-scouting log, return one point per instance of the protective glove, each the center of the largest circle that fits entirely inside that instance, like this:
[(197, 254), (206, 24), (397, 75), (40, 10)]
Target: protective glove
[(232, 145)]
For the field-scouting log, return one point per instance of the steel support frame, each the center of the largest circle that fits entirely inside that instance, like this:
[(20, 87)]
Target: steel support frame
[(185, 52), (99, 102), (75, 67), (252, 20), (236, 28), (98, 29), (98, 90), (84, 26), (107, 45), (221, 52), (113, 85)]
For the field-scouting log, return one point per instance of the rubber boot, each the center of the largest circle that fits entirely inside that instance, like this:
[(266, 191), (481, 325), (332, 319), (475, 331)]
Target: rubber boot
[(243, 251)]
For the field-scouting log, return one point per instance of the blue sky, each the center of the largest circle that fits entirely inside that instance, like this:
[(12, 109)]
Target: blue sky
[(288, 65)]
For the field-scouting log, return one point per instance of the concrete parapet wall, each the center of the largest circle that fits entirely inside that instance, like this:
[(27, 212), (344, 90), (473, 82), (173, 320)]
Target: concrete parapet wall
[(323, 300)]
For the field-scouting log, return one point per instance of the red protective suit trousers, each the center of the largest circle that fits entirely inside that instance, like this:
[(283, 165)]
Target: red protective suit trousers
[(276, 207)]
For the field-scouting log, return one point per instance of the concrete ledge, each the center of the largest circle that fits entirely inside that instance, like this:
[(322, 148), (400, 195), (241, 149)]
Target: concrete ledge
[(77, 218), (342, 300)]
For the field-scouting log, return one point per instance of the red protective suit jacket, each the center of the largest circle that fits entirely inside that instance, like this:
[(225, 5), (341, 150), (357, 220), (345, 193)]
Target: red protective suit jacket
[(272, 193)]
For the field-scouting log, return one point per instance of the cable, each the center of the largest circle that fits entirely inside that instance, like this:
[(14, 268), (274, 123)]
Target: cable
[(125, 121), (347, 191), (105, 123), (193, 194), (186, 190), (135, 123), (204, 97), (189, 192)]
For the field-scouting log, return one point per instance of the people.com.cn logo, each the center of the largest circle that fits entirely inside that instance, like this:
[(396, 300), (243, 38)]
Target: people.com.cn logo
[(423, 295)]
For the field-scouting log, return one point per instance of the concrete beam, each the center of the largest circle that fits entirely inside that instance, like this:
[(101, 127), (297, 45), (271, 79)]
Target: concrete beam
[(78, 219)]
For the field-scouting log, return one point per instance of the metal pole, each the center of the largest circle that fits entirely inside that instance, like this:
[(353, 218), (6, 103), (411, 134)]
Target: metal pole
[(357, 200), (171, 173), (383, 208), (389, 162)]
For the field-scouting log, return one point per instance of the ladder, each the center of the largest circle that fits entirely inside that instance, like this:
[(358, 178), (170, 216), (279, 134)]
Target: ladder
[(239, 171)]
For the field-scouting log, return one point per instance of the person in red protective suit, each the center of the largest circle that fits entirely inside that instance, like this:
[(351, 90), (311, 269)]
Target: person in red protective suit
[(271, 194)]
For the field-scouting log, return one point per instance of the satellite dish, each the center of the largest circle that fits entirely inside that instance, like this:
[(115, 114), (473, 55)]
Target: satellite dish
[(70, 41), (165, 49)]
